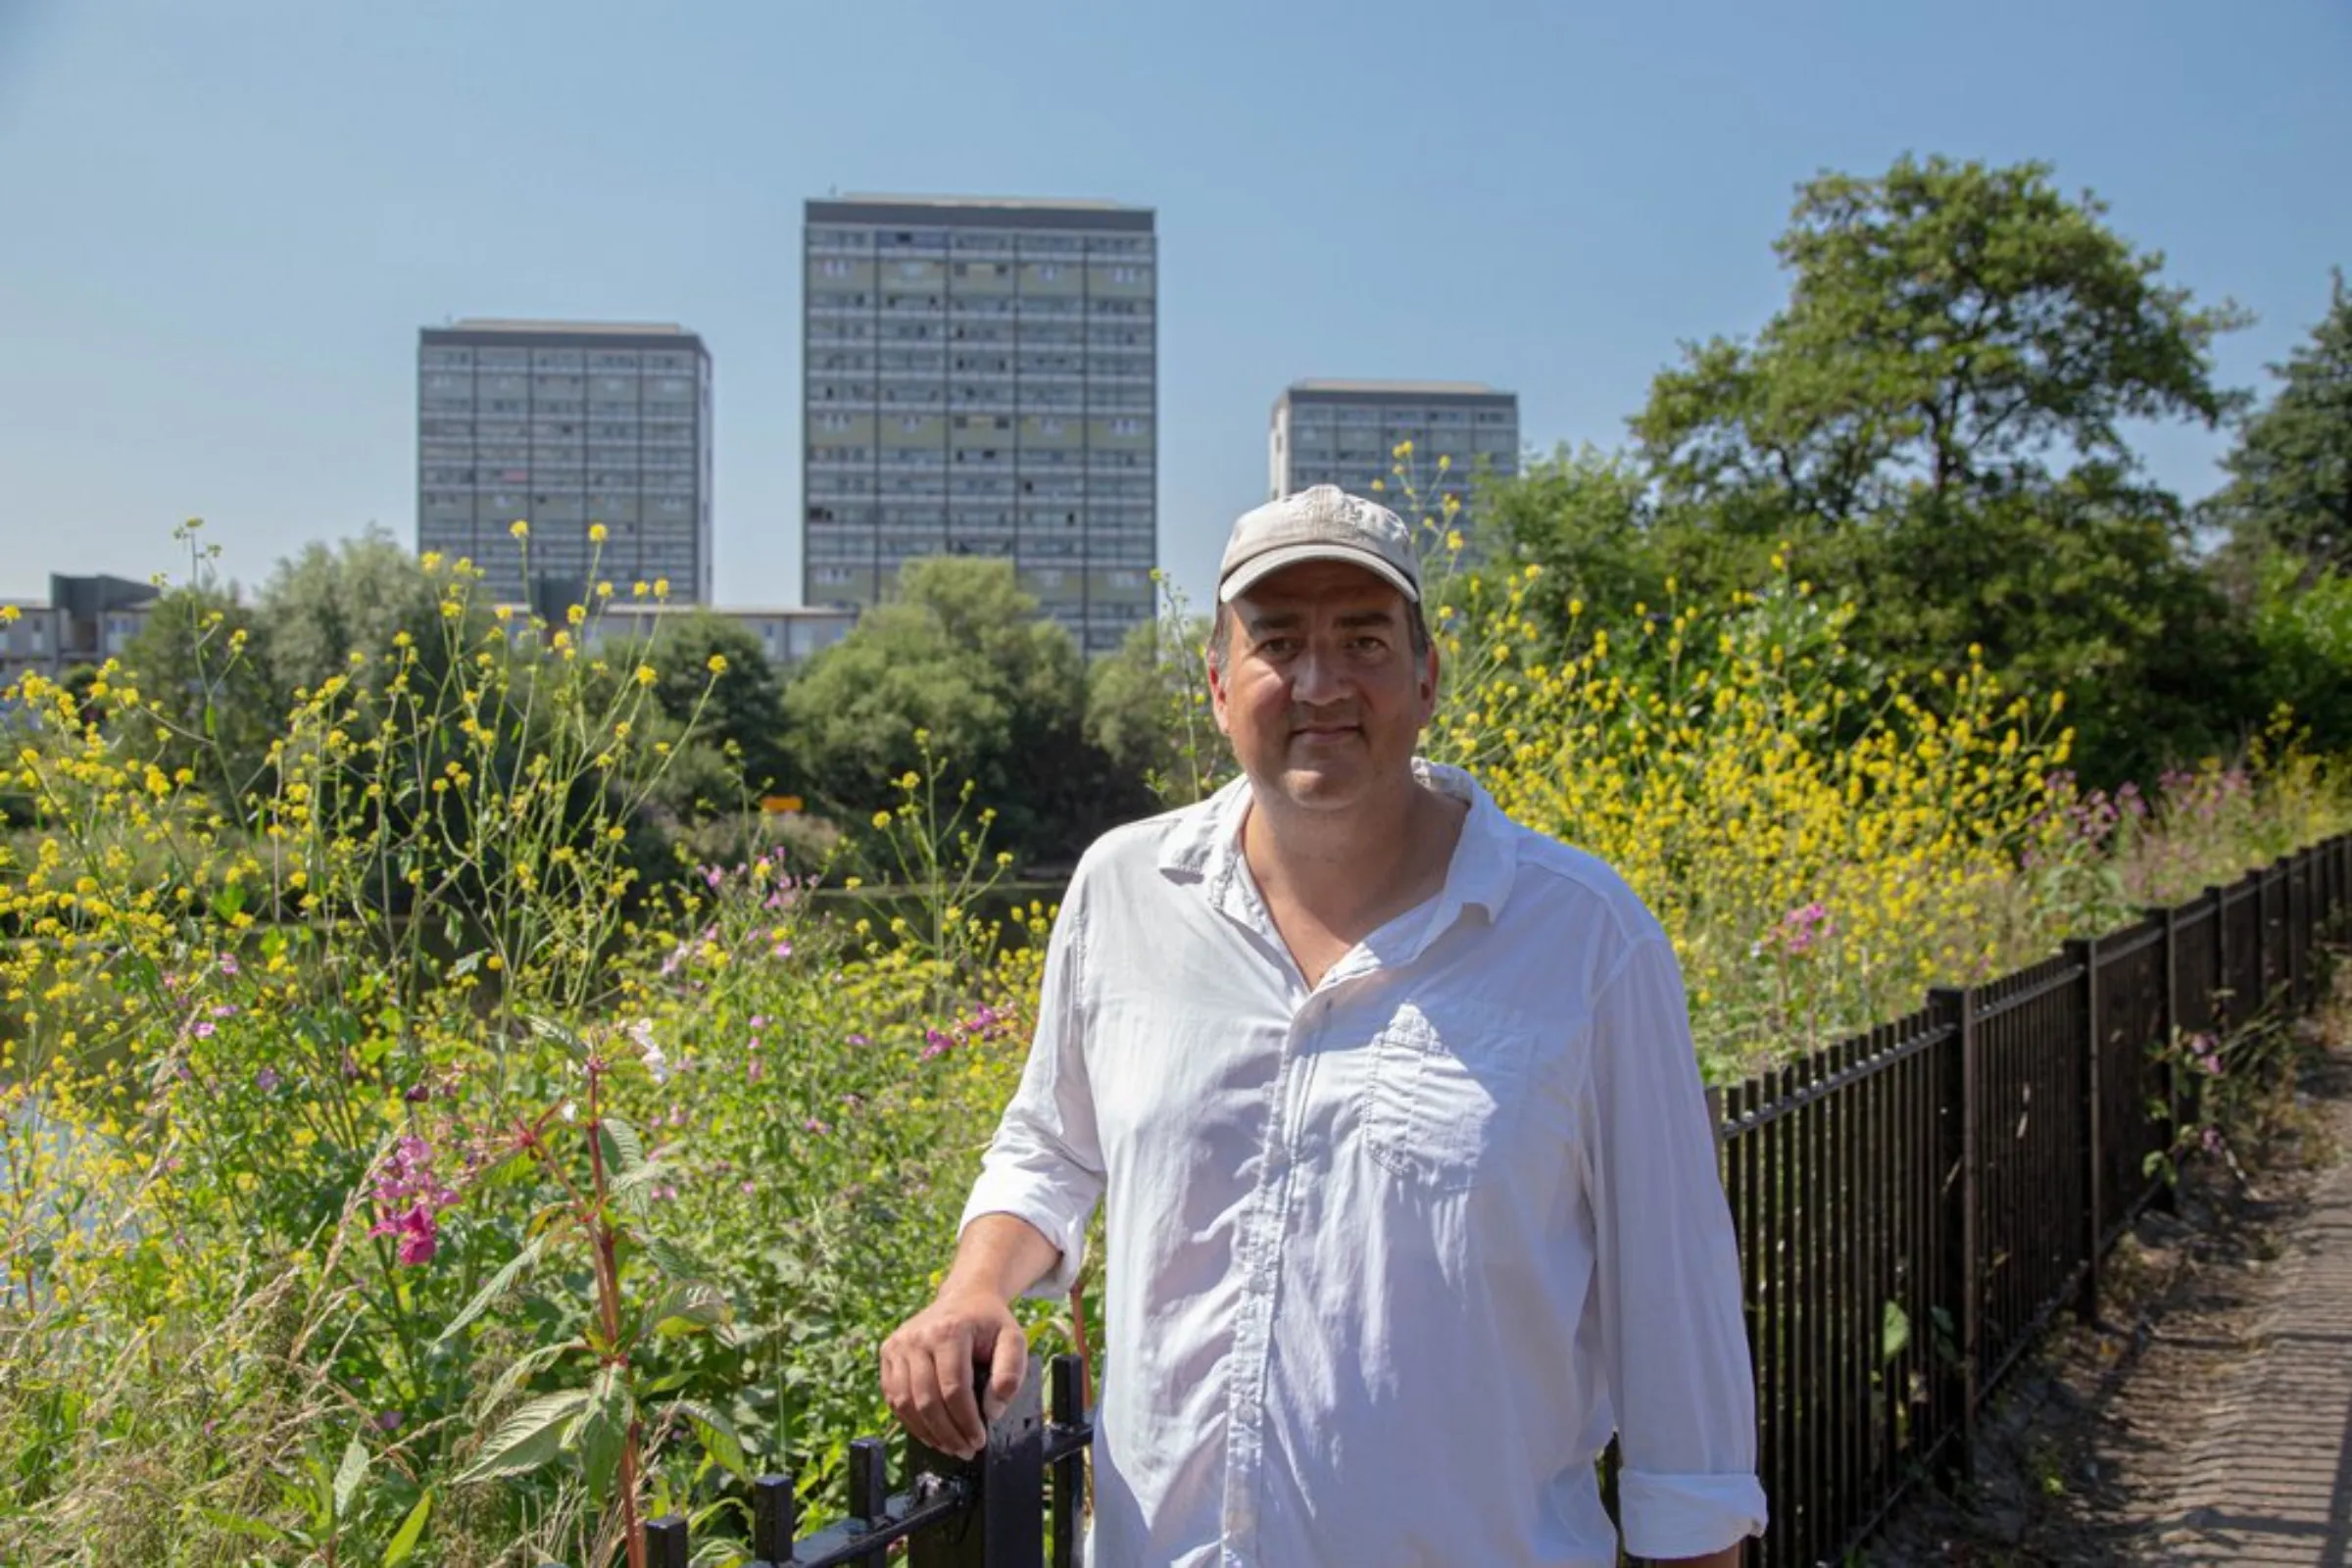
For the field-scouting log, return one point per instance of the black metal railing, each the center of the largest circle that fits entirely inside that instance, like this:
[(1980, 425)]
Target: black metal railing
[(992, 1511), (1915, 1204)]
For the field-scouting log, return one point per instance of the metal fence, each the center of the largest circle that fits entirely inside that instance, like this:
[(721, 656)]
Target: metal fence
[(987, 1512), (1915, 1204)]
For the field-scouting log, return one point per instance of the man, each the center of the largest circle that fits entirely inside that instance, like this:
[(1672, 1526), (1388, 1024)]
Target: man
[(1412, 1197)]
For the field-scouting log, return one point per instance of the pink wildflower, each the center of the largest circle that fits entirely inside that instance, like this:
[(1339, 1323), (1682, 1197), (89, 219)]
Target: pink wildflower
[(409, 1197), (1803, 927)]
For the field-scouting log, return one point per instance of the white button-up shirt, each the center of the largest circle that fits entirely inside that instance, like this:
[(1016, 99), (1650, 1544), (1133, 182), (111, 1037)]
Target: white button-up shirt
[(1390, 1256)]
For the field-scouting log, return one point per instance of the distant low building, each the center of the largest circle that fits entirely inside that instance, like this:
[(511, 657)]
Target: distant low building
[(791, 634), (1347, 434), (84, 620)]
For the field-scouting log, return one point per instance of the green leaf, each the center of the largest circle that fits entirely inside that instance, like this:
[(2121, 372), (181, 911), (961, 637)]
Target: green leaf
[(529, 1438), (742, 1336), (348, 1476), (549, 1029), (600, 1430), (524, 1369), (404, 1540), (465, 966), (634, 1192), (689, 1307), (672, 1260), (1894, 1331), (237, 1523), (717, 1434), (493, 1289), (624, 1151), (547, 1216)]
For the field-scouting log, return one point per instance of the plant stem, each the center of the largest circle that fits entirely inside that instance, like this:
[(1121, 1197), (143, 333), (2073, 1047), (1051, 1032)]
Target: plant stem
[(608, 1294)]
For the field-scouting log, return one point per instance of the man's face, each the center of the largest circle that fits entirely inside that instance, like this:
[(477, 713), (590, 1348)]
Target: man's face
[(1321, 692)]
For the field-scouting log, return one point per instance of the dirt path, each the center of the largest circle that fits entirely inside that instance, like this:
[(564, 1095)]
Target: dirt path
[(2208, 1416)]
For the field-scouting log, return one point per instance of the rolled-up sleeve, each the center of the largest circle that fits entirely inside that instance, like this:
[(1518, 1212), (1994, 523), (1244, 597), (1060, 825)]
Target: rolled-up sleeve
[(1045, 1164), (1667, 1285)]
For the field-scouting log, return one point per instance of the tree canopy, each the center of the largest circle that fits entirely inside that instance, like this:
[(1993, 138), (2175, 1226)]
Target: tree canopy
[(1937, 425), (1001, 696), (1953, 331), (332, 601), (2290, 475)]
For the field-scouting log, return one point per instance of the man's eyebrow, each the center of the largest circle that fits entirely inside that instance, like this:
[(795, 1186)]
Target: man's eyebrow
[(1293, 619)]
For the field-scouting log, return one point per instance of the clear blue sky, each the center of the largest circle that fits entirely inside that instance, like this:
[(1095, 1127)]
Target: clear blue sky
[(222, 224)]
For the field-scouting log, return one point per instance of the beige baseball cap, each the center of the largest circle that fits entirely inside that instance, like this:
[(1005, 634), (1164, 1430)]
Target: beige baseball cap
[(1321, 523)]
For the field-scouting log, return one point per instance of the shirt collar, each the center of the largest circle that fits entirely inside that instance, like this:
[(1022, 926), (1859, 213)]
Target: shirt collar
[(1207, 843)]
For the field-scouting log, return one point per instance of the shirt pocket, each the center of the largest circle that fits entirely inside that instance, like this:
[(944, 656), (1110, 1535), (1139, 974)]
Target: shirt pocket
[(1443, 1092)]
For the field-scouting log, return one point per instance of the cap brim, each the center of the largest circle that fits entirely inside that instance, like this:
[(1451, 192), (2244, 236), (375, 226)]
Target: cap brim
[(1257, 569)]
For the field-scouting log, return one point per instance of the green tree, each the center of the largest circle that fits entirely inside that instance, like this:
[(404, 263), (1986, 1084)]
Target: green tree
[(1146, 712), (1935, 424), (960, 654), (741, 712), (1952, 331), (201, 663), (2290, 475), (2303, 624), (355, 596)]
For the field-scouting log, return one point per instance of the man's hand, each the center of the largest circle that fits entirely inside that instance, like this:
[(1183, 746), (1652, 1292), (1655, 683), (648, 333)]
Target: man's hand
[(930, 1365)]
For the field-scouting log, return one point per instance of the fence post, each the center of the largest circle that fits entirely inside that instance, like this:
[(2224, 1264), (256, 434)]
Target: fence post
[(775, 1521), (2262, 943), (665, 1542), (1006, 1523), (1964, 1245), (869, 1491), (1067, 1407), (2298, 926), (2085, 951), (2218, 1002), (2168, 1196)]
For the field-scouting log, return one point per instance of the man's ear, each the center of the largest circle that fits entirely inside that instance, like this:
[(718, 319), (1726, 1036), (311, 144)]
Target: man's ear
[(1216, 689)]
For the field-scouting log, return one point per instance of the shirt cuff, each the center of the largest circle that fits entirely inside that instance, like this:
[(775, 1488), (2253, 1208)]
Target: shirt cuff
[(1686, 1516), (1034, 1198)]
